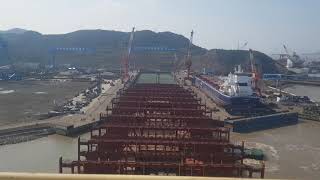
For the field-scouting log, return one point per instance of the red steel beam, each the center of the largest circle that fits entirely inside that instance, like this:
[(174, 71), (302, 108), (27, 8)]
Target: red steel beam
[(160, 127), (157, 104), (163, 120), (157, 98), (162, 141), (127, 167), (171, 111)]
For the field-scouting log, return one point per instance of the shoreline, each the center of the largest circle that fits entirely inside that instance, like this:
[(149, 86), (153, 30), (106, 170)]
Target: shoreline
[(89, 117), (31, 101)]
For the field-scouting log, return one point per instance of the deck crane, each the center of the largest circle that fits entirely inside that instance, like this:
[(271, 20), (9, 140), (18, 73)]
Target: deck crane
[(255, 74), (125, 75), (188, 62)]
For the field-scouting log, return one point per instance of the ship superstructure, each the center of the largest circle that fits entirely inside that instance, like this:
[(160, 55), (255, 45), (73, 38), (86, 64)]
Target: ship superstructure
[(234, 89)]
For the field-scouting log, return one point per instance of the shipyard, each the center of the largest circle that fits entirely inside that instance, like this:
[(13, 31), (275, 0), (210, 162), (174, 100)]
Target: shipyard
[(109, 92)]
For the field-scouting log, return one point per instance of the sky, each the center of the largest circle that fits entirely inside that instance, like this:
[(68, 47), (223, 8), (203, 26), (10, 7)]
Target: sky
[(265, 24)]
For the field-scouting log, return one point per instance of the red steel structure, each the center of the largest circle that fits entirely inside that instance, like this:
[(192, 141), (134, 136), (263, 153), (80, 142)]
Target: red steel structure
[(160, 129), (126, 59)]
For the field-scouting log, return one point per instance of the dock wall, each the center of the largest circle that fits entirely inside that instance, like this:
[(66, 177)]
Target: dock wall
[(247, 125), (74, 131), (25, 133)]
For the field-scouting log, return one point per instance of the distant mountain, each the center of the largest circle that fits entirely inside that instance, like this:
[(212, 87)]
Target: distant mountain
[(4, 59), (109, 47), (221, 61), (14, 31)]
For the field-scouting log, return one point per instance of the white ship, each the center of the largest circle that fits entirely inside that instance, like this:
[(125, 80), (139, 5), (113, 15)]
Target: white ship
[(235, 89)]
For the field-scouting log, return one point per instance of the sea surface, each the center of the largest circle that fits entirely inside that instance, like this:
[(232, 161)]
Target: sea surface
[(292, 151), (302, 90)]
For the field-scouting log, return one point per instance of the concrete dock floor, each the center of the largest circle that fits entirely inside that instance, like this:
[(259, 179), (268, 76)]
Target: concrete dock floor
[(92, 114)]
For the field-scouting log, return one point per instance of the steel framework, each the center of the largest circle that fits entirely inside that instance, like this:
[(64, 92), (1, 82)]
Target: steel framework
[(160, 129)]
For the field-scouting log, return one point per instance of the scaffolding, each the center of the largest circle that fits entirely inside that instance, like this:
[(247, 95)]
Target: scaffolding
[(160, 129)]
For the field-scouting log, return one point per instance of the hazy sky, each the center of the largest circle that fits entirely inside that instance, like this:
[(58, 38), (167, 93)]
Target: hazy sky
[(265, 24)]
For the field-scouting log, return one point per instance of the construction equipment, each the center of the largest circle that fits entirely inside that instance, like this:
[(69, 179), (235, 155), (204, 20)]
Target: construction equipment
[(293, 60), (188, 62), (255, 74), (243, 46), (125, 73)]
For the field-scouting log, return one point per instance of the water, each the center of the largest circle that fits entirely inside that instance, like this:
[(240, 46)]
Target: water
[(301, 90), (7, 91), (40, 155), (292, 151)]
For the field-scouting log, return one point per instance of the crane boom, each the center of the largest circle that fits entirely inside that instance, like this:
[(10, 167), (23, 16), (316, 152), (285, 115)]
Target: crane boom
[(244, 45), (190, 44), (251, 61), (255, 73), (127, 56), (188, 62), (286, 49), (130, 42)]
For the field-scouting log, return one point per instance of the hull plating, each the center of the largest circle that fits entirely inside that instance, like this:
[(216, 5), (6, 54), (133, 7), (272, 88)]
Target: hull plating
[(221, 98)]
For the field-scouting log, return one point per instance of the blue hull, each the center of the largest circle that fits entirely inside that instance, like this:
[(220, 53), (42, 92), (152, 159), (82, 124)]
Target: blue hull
[(222, 99)]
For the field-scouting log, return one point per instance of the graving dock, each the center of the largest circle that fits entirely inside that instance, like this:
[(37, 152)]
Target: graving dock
[(160, 128)]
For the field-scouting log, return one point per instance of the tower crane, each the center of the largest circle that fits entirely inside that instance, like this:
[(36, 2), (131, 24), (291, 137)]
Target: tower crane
[(255, 74), (188, 62), (125, 75)]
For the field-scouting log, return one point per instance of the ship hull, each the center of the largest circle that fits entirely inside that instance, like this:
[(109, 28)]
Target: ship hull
[(222, 99)]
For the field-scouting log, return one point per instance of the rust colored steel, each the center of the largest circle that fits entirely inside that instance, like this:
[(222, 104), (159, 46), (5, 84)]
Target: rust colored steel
[(160, 129)]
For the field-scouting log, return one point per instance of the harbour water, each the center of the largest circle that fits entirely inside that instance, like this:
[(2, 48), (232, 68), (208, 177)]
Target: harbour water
[(300, 90), (292, 152)]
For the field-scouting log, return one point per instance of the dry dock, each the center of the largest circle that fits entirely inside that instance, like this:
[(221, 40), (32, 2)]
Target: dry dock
[(249, 118), (163, 129)]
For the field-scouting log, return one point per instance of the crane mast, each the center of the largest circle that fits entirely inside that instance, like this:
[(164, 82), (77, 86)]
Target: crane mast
[(190, 44), (125, 75), (255, 73), (188, 62)]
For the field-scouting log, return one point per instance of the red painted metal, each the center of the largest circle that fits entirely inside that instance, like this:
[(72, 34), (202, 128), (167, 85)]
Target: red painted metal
[(160, 128)]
